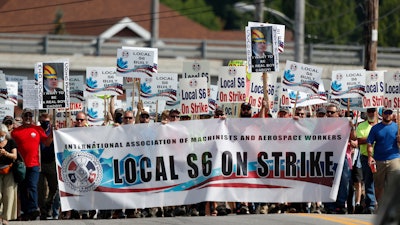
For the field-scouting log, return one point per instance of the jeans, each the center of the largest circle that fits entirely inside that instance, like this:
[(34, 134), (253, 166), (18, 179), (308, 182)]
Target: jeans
[(29, 190), (47, 181), (370, 200), (343, 191), (56, 206)]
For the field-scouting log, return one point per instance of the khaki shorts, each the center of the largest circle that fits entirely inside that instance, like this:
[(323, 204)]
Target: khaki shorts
[(384, 172)]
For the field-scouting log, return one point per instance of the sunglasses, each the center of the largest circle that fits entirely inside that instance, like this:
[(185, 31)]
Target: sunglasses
[(79, 120), (299, 114), (28, 116), (128, 117), (330, 112), (144, 116), (174, 116), (8, 123)]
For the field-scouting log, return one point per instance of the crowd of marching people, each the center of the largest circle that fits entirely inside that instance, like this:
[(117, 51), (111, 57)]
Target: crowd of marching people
[(372, 157)]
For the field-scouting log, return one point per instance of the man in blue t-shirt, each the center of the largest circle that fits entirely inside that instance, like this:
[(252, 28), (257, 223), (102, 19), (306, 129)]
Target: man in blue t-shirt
[(385, 152)]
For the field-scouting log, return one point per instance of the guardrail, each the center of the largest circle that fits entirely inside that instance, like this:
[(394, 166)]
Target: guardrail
[(186, 48)]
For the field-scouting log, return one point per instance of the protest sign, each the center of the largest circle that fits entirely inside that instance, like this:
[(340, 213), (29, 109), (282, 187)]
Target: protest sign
[(102, 81), (197, 69), (213, 98), (374, 89), (392, 90), (6, 110), (232, 84), (3, 88), (280, 33), (137, 62), (53, 84), (18, 79), (164, 87), (30, 91), (77, 88), (256, 93), (194, 97), (348, 84), (12, 92), (262, 48), (302, 77)]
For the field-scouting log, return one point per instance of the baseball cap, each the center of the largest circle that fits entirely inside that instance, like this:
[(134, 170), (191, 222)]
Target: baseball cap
[(119, 111), (371, 110), (321, 110), (8, 119), (387, 111), (245, 105), (174, 111), (286, 110), (27, 110)]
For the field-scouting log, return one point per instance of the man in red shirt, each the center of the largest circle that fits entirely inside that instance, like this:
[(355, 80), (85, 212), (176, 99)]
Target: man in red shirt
[(28, 137)]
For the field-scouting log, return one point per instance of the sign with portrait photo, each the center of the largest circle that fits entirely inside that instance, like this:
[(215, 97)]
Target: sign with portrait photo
[(262, 48), (53, 84)]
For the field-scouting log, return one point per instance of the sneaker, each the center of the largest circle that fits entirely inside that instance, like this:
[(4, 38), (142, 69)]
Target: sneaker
[(194, 212), (34, 215), (264, 209), (358, 209), (244, 210), (180, 211), (159, 213), (169, 213), (342, 210), (369, 211)]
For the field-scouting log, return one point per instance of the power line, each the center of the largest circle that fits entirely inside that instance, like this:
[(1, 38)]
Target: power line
[(46, 6), (104, 22)]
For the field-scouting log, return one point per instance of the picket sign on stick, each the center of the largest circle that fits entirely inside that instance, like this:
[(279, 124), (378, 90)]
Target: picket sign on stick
[(295, 103), (310, 110), (156, 118), (105, 110), (139, 90), (67, 116), (133, 94), (265, 85), (348, 107)]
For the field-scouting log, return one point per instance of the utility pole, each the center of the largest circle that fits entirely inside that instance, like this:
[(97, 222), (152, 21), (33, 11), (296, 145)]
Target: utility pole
[(155, 6), (371, 35), (299, 31), (259, 12)]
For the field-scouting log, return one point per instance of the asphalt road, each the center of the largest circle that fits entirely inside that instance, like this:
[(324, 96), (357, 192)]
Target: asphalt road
[(270, 219)]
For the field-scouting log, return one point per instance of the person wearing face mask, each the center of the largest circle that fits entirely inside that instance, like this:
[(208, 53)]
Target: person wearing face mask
[(8, 187), (49, 206), (362, 132)]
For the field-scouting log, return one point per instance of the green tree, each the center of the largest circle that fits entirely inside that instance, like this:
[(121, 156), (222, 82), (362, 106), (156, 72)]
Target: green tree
[(197, 10), (389, 23), (330, 22)]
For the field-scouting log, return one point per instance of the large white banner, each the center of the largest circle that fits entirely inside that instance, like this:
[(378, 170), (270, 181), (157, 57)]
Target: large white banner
[(238, 160)]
